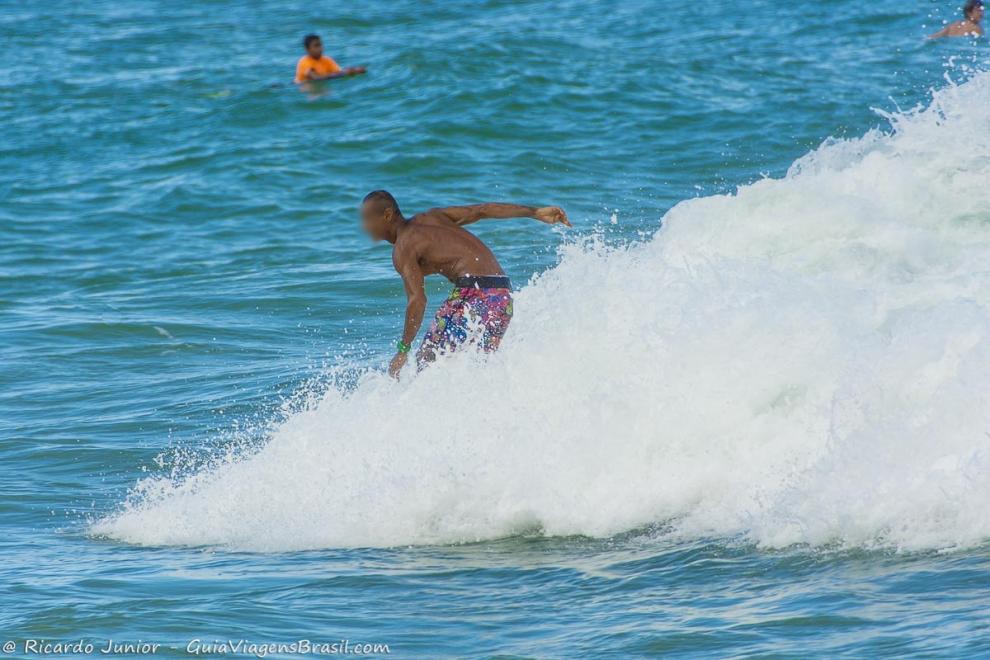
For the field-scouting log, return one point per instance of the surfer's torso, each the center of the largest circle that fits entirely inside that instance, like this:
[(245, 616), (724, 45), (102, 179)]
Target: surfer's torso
[(440, 246)]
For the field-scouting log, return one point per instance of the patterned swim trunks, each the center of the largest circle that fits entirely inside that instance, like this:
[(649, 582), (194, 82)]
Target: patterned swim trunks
[(471, 315)]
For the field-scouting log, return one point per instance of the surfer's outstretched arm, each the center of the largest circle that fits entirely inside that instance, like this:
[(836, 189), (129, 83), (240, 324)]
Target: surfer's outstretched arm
[(465, 215)]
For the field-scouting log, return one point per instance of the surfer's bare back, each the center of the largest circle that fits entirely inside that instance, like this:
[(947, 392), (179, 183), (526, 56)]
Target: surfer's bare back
[(435, 241)]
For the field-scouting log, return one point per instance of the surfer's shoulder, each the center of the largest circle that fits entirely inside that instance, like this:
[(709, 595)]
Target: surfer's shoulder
[(428, 218), (410, 236)]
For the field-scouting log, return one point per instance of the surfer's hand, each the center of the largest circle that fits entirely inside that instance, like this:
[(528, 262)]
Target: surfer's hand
[(552, 215), (395, 366), (354, 70)]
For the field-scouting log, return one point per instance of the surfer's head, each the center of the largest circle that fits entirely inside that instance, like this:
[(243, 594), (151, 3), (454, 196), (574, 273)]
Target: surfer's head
[(379, 213), (974, 10), (313, 45)]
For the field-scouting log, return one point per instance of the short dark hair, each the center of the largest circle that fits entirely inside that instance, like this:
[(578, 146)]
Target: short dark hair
[(383, 200), (970, 6), (310, 38)]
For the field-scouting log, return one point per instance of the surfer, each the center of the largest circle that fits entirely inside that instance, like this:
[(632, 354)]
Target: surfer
[(314, 65), (479, 308), (970, 26)]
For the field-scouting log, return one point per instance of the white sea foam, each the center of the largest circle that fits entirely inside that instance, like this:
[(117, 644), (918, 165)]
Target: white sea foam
[(806, 361)]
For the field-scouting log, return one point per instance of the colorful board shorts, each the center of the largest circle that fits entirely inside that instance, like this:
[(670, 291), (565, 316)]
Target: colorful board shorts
[(475, 313)]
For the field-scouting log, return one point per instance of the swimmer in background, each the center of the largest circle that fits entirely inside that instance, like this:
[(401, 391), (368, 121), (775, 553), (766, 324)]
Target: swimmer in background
[(968, 27), (314, 65)]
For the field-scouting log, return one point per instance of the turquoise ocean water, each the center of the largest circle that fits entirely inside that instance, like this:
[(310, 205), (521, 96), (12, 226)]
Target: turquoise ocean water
[(761, 429)]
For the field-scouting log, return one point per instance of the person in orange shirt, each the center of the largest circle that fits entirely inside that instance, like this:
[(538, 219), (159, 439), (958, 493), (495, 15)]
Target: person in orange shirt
[(314, 65)]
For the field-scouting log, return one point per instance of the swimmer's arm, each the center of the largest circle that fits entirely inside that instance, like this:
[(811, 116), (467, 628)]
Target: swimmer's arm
[(941, 33), (343, 73), (465, 215)]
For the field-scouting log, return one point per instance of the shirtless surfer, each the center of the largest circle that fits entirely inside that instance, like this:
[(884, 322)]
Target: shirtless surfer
[(435, 241)]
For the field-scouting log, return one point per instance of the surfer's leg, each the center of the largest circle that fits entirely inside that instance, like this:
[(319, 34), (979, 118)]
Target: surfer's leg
[(468, 316), (448, 329), (495, 309)]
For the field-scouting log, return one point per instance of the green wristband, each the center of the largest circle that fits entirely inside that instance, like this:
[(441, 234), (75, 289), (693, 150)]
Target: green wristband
[(403, 346)]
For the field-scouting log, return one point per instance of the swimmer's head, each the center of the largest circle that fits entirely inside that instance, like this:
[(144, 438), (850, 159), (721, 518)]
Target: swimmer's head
[(974, 10), (313, 45), (379, 213)]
